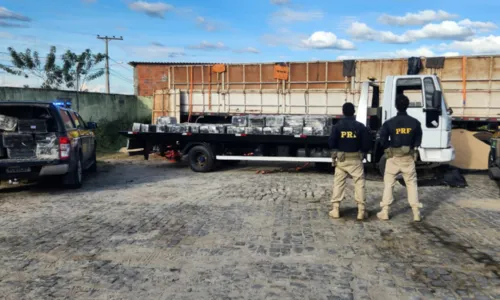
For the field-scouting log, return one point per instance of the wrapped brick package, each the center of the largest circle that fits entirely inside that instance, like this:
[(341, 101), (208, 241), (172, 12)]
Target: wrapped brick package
[(152, 128), (166, 121), (294, 130), (47, 146), (275, 121), (21, 153), (213, 129), (189, 127), (18, 140), (253, 130), (256, 121), (314, 131), (136, 127), (239, 121), (317, 121), (8, 123), (235, 129), (272, 130), (174, 128), (144, 127), (294, 121), (32, 126), (161, 128)]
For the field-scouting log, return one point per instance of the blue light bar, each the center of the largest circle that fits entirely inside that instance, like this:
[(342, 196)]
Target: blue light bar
[(62, 104)]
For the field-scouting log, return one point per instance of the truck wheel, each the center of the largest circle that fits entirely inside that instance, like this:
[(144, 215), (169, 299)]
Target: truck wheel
[(201, 159), (74, 178), (381, 165)]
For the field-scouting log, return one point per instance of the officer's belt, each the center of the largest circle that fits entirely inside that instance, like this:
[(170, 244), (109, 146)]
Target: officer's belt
[(399, 152), (343, 156)]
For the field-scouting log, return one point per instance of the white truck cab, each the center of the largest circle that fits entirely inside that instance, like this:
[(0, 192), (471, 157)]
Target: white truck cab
[(427, 104)]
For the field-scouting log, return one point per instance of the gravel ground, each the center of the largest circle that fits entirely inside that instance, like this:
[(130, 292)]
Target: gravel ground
[(155, 230)]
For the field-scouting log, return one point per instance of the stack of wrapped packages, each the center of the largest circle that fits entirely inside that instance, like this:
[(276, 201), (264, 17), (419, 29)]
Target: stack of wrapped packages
[(27, 139), (251, 124)]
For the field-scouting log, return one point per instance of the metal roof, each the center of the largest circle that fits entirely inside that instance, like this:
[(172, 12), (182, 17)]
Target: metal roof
[(135, 63)]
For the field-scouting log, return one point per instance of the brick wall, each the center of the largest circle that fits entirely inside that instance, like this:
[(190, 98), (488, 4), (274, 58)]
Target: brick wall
[(149, 78)]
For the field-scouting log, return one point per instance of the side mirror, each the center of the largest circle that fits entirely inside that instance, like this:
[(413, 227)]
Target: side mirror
[(92, 125), (436, 99)]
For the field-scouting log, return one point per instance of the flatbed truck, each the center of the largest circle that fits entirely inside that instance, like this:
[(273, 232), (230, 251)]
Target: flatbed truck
[(427, 104)]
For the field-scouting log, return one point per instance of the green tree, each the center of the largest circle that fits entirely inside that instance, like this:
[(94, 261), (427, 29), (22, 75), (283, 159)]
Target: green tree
[(74, 71)]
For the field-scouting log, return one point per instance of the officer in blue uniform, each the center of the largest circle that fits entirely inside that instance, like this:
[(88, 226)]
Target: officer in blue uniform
[(350, 141)]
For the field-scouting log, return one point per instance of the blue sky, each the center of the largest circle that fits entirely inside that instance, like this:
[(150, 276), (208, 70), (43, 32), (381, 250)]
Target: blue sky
[(246, 31)]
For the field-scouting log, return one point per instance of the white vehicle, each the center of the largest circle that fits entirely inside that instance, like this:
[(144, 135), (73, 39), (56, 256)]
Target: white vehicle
[(427, 104)]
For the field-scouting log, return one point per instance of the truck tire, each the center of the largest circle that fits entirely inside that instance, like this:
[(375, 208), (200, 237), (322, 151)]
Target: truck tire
[(201, 159), (74, 178)]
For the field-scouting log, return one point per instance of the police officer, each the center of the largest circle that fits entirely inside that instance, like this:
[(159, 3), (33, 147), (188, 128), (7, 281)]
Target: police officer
[(405, 135), (349, 141)]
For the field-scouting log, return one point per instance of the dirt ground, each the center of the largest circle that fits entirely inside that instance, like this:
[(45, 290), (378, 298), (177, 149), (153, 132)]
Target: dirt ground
[(155, 230)]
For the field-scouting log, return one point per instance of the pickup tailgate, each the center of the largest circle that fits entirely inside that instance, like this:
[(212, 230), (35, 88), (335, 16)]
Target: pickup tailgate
[(31, 168)]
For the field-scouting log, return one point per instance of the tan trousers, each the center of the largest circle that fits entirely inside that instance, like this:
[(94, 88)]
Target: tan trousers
[(353, 168), (406, 166)]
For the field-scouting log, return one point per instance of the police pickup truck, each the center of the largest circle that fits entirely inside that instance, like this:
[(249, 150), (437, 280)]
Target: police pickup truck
[(45, 140)]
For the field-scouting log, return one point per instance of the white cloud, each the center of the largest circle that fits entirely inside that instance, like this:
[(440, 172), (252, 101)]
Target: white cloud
[(6, 14), (152, 9), (448, 54), (348, 57), (447, 30), (327, 40), (361, 31), (480, 26), (247, 50), (208, 46), (479, 45), (207, 25), (288, 15), (420, 18), (280, 2), (422, 51)]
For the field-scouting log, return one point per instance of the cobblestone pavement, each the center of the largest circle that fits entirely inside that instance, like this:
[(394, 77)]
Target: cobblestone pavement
[(150, 230)]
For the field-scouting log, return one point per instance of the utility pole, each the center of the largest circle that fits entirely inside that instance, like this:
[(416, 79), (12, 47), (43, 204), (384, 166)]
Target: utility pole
[(107, 39)]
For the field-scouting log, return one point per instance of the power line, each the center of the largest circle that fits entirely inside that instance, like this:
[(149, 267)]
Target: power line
[(107, 39), (121, 65), (115, 73)]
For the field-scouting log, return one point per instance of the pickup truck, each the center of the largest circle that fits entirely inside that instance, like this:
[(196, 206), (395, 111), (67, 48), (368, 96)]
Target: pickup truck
[(45, 140)]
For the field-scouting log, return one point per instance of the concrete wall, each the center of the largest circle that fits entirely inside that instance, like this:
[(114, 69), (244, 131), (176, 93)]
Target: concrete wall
[(92, 106)]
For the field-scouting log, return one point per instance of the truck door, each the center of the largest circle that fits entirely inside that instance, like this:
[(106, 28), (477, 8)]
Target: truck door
[(84, 137), (420, 90)]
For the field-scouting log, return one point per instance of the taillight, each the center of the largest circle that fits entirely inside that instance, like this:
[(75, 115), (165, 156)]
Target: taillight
[(64, 147)]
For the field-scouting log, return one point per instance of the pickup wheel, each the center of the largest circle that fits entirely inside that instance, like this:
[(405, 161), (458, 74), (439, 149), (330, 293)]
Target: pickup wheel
[(74, 178), (201, 159)]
